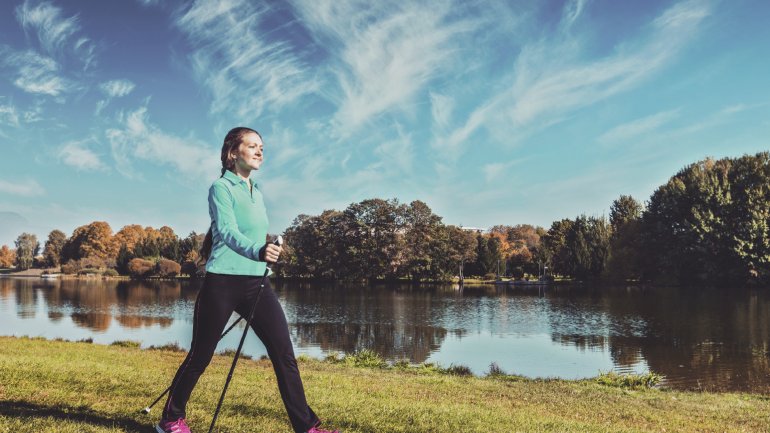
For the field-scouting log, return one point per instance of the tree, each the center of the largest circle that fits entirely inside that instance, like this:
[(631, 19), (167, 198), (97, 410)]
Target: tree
[(130, 236), (587, 247), (422, 242), (461, 249), (709, 224), (92, 240), (7, 257), (624, 209), (555, 242), (27, 247), (625, 242), (53, 248)]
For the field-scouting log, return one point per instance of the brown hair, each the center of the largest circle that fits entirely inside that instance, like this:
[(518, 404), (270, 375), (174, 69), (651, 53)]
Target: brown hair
[(233, 139)]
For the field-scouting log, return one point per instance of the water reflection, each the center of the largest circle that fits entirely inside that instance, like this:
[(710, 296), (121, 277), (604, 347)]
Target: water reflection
[(698, 339)]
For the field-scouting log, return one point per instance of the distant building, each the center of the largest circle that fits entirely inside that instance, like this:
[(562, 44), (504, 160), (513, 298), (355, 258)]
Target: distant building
[(473, 229)]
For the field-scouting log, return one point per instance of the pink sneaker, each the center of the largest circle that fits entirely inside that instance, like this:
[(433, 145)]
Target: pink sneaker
[(168, 426), (315, 429)]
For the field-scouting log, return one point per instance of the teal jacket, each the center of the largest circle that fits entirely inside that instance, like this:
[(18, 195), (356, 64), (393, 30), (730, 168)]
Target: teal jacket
[(238, 226)]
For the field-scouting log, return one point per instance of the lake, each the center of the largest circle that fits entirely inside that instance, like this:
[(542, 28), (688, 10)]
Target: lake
[(704, 339)]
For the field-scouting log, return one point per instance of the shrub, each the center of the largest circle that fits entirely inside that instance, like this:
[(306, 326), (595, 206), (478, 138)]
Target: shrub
[(495, 370), (459, 370), (168, 268), (71, 267), (139, 268), (490, 276), (110, 273), (126, 343), (632, 381), (170, 347), (365, 358)]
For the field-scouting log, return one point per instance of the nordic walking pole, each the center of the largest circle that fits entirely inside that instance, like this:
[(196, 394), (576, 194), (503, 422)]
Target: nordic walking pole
[(278, 242), (149, 408)]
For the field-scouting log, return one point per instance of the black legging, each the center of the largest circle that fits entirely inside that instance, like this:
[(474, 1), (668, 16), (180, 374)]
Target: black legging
[(219, 297)]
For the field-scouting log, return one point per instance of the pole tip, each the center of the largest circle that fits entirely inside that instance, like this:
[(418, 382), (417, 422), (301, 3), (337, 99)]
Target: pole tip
[(146, 410)]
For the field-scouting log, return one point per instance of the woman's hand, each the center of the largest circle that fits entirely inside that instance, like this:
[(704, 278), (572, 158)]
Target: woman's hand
[(270, 252)]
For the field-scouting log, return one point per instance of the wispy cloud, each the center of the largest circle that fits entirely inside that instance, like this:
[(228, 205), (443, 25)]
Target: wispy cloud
[(387, 52), (638, 127), (76, 154), (8, 115), (138, 138), (37, 74), (47, 22), (551, 79), (27, 188), (113, 89), (117, 88), (441, 107), (245, 71), (54, 31)]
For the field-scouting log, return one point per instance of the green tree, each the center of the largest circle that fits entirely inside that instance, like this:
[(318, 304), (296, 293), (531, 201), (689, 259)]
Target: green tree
[(424, 242), (709, 224), (27, 247), (555, 242), (624, 262), (53, 247)]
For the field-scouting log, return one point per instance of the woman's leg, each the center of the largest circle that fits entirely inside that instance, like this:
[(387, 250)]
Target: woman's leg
[(269, 323), (213, 308)]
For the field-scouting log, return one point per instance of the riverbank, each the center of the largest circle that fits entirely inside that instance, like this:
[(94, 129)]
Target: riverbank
[(76, 387)]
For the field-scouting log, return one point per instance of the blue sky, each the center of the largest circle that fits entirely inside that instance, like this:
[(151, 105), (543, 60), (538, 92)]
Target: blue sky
[(492, 112)]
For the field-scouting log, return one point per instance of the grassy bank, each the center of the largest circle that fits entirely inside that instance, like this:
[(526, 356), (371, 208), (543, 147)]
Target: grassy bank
[(68, 387)]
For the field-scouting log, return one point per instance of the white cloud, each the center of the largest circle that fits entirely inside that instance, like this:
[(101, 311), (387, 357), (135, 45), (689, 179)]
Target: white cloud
[(117, 88), (137, 138), (441, 107), (388, 52), (638, 127), (76, 154), (551, 80), (46, 20), (27, 188), (497, 170), (245, 72), (38, 74), (55, 32), (396, 156), (113, 89), (9, 115)]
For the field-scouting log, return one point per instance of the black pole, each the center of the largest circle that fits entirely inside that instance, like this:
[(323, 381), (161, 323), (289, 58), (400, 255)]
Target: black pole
[(149, 408)]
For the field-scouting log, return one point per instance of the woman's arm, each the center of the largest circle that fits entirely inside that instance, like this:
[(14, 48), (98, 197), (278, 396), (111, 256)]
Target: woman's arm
[(221, 210)]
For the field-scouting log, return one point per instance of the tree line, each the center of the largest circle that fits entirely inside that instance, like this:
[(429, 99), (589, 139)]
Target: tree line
[(710, 223)]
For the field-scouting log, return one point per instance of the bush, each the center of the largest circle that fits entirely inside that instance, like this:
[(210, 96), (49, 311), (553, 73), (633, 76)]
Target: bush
[(632, 381), (140, 268), (168, 268), (127, 343), (71, 267), (459, 370), (490, 276), (110, 273), (365, 358)]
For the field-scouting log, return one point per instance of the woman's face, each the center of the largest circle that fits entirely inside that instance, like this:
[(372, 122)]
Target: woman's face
[(249, 153)]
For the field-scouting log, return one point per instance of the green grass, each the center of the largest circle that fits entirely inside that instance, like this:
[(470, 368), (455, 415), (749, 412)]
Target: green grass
[(72, 387)]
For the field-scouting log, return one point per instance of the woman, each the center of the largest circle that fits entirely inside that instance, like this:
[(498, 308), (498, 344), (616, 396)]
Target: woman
[(237, 256)]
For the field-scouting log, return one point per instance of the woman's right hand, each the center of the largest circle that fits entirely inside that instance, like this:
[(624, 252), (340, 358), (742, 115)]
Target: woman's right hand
[(270, 253)]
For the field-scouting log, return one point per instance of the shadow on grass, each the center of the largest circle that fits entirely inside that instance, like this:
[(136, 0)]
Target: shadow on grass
[(23, 409)]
